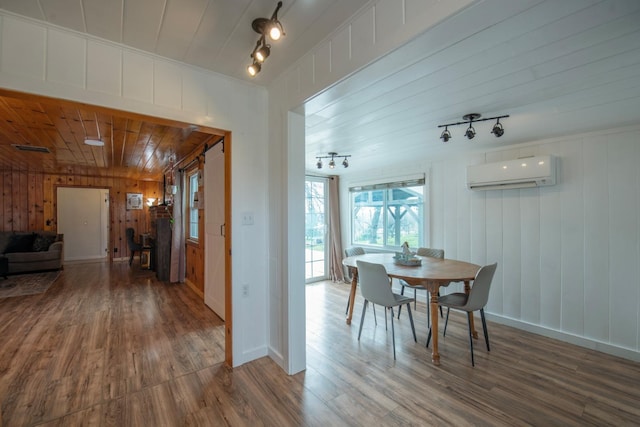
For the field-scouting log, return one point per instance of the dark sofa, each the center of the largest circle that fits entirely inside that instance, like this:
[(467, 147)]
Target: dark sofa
[(31, 251)]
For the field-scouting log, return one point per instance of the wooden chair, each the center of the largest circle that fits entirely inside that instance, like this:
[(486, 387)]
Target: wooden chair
[(375, 288), (133, 246), (477, 299)]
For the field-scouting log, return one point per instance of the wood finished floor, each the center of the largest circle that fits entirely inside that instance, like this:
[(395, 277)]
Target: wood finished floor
[(105, 346)]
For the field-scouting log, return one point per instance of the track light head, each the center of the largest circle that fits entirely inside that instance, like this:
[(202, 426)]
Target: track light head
[(498, 130), (446, 135), (332, 162), (319, 164), (471, 132), (262, 53), (271, 27), (345, 163), (254, 68), (275, 30)]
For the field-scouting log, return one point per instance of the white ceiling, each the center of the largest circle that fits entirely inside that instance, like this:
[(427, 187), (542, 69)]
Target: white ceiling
[(557, 67), (213, 34)]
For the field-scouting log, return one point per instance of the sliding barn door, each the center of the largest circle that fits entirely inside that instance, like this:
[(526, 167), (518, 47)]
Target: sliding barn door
[(214, 265)]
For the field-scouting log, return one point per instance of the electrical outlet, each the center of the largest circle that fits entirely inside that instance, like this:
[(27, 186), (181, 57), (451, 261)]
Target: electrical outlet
[(245, 290), (247, 218)]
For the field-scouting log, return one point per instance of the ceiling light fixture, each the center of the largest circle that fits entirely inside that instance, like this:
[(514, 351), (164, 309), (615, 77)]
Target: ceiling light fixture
[(332, 163), (265, 27), (94, 142), (470, 133)]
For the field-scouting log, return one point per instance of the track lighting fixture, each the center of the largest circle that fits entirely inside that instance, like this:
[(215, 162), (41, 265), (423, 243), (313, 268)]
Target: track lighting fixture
[(265, 27), (332, 162), (470, 133)]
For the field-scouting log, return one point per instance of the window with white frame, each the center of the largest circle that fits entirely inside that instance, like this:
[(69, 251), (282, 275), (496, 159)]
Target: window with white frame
[(389, 214), (193, 205)]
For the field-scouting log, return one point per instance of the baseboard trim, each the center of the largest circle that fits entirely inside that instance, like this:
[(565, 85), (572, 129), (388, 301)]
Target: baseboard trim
[(589, 343), (193, 287)]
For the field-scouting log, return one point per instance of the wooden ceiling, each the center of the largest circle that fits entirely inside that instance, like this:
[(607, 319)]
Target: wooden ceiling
[(135, 146)]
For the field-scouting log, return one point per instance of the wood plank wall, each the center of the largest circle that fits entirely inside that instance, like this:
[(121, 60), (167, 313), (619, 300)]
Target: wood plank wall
[(29, 203)]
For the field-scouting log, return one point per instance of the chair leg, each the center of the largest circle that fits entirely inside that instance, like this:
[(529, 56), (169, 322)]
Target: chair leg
[(364, 311), (375, 318), (415, 300), (428, 337), (413, 329), (484, 328), (386, 327), (441, 316), (393, 334), (469, 315), (445, 323), (346, 311), (131, 258)]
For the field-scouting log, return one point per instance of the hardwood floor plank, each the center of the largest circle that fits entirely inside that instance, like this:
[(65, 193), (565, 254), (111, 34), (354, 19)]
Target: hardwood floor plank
[(108, 345)]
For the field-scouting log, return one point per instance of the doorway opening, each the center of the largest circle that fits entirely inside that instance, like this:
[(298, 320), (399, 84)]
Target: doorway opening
[(316, 227), (83, 218)]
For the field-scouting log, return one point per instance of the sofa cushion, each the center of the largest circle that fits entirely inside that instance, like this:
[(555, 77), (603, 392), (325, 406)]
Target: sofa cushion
[(5, 236), (20, 243), (32, 257), (42, 242)]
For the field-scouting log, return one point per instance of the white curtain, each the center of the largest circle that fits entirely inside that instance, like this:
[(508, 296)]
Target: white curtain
[(177, 271)]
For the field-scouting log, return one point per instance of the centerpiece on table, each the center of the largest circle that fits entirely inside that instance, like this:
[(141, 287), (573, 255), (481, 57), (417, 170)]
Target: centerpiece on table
[(406, 257)]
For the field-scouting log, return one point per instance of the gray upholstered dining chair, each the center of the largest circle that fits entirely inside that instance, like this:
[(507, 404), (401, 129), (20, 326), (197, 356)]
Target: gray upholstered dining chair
[(477, 299), (428, 252), (376, 288)]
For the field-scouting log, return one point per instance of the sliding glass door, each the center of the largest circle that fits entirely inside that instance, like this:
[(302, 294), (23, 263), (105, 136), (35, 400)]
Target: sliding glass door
[(316, 226)]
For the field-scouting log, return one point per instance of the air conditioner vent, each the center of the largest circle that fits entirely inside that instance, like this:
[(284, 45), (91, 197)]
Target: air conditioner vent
[(35, 148)]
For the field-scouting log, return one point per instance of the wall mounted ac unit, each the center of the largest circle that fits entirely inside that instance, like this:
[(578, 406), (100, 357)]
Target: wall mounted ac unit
[(527, 172)]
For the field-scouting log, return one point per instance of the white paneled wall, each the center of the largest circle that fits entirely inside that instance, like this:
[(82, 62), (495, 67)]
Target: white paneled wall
[(568, 255), (46, 60)]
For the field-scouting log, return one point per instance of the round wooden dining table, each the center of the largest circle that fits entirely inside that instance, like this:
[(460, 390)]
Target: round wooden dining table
[(431, 274)]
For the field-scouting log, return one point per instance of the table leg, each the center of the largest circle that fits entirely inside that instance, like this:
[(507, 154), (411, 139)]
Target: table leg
[(352, 295), (435, 356), (467, 289)]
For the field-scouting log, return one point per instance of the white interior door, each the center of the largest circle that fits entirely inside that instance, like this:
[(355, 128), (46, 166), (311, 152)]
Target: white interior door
[(214, 271), (83, 215)]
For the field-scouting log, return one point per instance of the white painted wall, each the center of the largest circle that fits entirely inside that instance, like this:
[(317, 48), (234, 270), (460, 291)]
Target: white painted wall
[(567, 254), (46, 60), (377, 29)]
